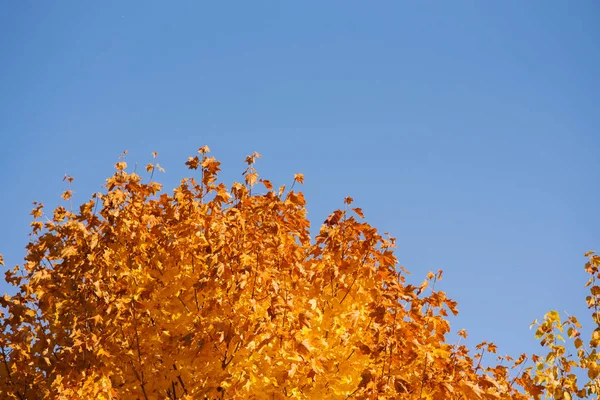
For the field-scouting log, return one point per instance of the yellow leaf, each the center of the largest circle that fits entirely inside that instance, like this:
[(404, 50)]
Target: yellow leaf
[(203, 150), (304, 347), (251, 159), (567, 395), (67, 194), (553, 316), (68, 251), (251, 178)]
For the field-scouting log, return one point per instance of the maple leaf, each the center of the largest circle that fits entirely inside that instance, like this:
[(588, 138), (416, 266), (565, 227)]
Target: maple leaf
[(193, 162), (37, 210), (251, 159), (251, 179), (203, 150)]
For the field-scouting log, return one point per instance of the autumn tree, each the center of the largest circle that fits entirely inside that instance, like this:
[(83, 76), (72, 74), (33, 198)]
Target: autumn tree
[(220, 292)]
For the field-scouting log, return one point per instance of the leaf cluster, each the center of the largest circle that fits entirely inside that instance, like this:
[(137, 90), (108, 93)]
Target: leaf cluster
[(220, 292)]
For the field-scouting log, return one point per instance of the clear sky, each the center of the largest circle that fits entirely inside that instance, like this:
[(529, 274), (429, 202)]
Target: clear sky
[(467, 129)]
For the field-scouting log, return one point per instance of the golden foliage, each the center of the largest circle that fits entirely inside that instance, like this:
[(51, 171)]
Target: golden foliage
[(216, 292)]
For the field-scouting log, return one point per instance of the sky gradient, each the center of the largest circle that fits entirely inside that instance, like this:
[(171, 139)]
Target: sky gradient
[(468, 130)]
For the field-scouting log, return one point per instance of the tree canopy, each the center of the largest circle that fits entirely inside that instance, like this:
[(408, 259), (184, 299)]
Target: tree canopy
[(220, 292)]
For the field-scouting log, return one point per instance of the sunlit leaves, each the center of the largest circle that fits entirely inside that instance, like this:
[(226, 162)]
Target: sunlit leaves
[(299, 178), (193, 162), (217, 292)]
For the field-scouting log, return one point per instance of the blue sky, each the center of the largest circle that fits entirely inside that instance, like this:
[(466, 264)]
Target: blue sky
[(468, 130)]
